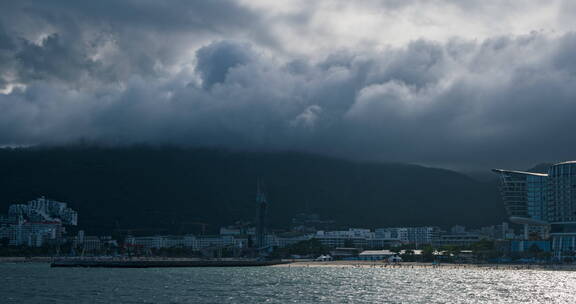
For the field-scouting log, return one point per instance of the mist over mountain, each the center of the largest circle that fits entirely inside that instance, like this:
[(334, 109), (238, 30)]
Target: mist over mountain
[(171, 190)]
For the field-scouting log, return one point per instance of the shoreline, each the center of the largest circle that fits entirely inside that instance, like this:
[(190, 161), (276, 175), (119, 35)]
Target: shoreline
[(341, 264), (411, 265)]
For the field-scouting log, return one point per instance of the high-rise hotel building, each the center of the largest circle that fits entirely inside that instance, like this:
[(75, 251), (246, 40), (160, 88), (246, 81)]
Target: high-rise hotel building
[(543, 203)]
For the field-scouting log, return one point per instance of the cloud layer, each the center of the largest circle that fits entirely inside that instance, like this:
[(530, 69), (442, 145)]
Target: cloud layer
[(434, 82)]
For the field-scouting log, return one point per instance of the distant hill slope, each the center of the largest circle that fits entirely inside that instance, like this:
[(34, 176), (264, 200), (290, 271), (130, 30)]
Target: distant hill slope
[(174, 188)]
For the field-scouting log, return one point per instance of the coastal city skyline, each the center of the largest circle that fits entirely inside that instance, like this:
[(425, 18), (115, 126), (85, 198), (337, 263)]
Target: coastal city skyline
[(294, 151), (40, 223), (539, 202)]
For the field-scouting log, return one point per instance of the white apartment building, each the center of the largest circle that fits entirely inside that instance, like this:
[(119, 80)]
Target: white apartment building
[(186, 241), (279, 241), (412, 235), (45, 210), (33, 234)]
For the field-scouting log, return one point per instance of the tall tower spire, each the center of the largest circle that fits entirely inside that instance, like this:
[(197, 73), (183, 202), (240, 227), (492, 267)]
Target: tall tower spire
[(261, 220)]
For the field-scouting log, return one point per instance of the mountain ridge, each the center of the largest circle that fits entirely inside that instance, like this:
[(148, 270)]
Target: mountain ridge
[(163, 188)]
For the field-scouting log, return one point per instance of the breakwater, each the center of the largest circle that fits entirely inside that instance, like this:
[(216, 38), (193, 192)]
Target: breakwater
[(162, 263)]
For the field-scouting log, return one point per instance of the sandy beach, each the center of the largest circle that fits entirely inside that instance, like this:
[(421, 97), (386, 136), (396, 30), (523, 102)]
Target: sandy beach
[(382, 264)]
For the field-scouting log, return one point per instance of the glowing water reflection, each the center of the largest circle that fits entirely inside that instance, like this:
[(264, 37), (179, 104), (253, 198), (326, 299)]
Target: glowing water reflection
[(37, 283)]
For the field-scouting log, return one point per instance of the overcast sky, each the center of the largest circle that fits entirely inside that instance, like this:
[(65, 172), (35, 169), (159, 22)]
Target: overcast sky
[(459, 84)]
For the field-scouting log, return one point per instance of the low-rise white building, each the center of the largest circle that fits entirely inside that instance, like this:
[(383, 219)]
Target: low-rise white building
[(34, 234), (285, 241), (185, 241)]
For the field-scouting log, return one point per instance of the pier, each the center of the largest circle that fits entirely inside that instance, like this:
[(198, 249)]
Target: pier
[(162, 263)]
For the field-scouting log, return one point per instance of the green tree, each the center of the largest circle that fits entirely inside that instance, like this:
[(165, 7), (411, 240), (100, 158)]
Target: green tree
[(534, 250), (482, 245), (308, 247), (408, 255), (428, 254)]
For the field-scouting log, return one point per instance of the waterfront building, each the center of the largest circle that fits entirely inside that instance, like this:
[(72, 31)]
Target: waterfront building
[(34, 234), (497, 232), (458, 229), (158, 241), (380, 238), (37, 222), (524, 196), (393, 234), (45, 210), (409, 235), (378, 243), (147, 242), (216, 241), (390, 256), (343, 253), (376, 255), (285, 241), (525, 245), (544, 203), (460, 239), (562, 207), (237, 230), (89, 244), (6, 224), (353, 237), (422, 235), (185, 241)]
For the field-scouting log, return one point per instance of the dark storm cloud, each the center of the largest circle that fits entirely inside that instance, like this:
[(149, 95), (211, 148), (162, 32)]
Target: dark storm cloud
[(211, 73), (112, 40), (216, 59), (50, 59)]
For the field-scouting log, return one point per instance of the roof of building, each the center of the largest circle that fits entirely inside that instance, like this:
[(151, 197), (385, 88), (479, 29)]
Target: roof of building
[(526, 220), (518, 172), (565, 163), (388, 252), (377, 252)]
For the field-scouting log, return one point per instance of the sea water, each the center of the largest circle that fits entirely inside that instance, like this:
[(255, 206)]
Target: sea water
[(38, 283)]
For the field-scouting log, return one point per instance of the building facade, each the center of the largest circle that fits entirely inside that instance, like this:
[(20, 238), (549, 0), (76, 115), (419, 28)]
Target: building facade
[(544, 203)]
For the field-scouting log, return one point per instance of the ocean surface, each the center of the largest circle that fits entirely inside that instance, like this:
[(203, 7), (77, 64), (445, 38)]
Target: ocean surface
[(38, 283)]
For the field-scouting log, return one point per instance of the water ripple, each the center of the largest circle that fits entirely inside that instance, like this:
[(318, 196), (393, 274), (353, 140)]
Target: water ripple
[(37, 283)]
